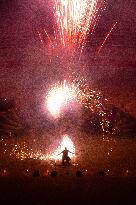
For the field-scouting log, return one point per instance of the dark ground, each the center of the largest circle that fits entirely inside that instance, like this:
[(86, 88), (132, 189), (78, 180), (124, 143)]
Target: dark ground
[(117, 187), (68, 190)]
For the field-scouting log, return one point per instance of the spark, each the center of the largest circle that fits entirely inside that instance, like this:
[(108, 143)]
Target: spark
[(75, 19), (107, 36), (40, 37), (62, 94), (23, 151), (49, 38)]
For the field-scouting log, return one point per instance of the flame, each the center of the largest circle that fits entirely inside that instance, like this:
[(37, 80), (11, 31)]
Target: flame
[(66, 142)]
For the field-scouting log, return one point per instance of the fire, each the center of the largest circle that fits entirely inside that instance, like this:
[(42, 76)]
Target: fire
[(66, 142)]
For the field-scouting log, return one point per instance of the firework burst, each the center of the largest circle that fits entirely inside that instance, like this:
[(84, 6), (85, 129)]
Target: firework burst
[(62, 94), (75, 19)]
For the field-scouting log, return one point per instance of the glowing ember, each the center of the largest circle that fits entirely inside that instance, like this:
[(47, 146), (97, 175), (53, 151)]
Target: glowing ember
[(23, 152)]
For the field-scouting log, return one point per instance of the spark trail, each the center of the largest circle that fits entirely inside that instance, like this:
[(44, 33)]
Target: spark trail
[(75, 19), (107, 36), (73, 22)]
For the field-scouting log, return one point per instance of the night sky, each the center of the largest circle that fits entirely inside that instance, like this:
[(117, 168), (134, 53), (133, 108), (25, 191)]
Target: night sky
[(25, 70)]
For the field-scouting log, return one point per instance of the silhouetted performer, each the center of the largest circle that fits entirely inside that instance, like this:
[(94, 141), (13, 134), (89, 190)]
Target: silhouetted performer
[(65, 158)]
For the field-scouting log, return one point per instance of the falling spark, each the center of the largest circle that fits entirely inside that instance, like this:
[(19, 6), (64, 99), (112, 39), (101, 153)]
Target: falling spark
[(49, 38), (40, 37), (107, 36)]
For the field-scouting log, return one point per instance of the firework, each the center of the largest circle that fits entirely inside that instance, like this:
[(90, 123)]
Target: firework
[(75, 19), (62, 94)]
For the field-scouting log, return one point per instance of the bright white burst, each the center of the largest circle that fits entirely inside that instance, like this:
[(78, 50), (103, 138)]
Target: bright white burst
[(59, 96), (62, 94)]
